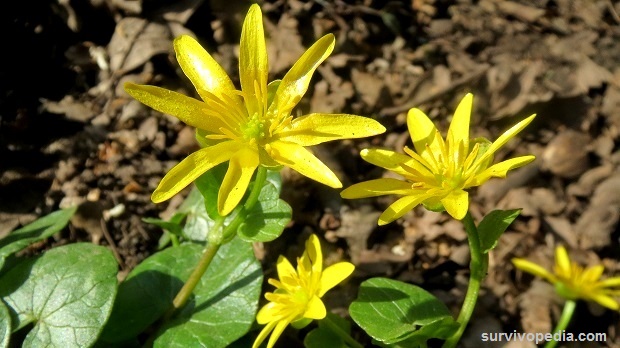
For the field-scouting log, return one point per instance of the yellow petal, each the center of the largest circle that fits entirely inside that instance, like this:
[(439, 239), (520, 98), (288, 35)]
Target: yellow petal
[(605, 301), (253, 64), (499, 170), (295, 83), (277, 331), (423, 132), (301, 160), (532, 268), (315, 129), (456, 203), (267, 313), (264, 333), (377, 187), (401, 207), (386, 159), (315, 309), (333, 275), (609, 282), (192, 167), (562, 263), (286, 272), (202, 70), (459, 127), (240, 170), (313, 249), (503, 139), (189, 110), (592, 274)]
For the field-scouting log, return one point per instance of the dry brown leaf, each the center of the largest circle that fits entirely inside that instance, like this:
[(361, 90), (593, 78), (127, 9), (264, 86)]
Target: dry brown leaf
[(135, 41), (284, 44)]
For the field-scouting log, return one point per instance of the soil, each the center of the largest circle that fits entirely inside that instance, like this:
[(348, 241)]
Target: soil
[(69, 134)]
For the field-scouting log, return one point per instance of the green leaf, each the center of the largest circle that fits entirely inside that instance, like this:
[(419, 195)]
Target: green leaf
[(173, 226), (441, 329), (224, 303), (263, 223), (267, 219), (5, 326), (67, 293), (322, 338), (231, 285), (198, 223), (209, 185), (493, 225), (391, 311), (35, 231), (148, 291)]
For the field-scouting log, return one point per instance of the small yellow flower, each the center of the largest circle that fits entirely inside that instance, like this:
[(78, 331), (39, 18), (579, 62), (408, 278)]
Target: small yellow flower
[(253, 126), (438, 171), (297, 298), (573, 282)]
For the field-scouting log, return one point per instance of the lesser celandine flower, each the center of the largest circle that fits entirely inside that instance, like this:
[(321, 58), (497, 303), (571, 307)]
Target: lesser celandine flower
[(573, 282), (437, 172), (297, 298), (253, 126)]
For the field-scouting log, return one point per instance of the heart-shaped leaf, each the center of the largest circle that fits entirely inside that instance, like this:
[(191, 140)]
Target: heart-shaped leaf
[(67, 293), (267, 219), (391, 311), (224, 304)]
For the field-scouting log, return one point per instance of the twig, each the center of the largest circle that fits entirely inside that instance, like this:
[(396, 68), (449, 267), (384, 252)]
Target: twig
[(110, 241), (394, 110)]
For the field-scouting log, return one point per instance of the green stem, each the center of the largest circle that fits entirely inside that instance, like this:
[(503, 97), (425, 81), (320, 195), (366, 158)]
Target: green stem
[(567, 315), (340, 332), (218, 236), (477, 271)]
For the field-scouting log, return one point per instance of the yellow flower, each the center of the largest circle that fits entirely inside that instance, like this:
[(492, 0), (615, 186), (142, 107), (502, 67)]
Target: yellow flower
[(573, 282), (438, 171), (253, 126), (297, 298)]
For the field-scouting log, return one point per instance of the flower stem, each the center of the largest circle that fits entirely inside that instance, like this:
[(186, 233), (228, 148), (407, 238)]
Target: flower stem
[(477, 271), (351, 342), (214, 243), (567, 315)]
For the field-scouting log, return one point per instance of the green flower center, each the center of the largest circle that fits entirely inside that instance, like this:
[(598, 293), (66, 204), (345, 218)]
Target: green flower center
[(254, 128), (566, 291)]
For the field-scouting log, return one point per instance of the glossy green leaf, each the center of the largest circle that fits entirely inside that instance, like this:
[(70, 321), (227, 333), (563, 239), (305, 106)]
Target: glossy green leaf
[(66, 293), (264, 222), (198, 223), (493, 225), (5, 326), (267, 219), (35, 231), (441, 329), (147, 292), (209, 184), (224, 303), (391, 311)]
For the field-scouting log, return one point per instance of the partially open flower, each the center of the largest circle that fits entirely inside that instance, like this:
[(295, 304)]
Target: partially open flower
[(252, 126), (574, 282), (297, 298), (437, 172)]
